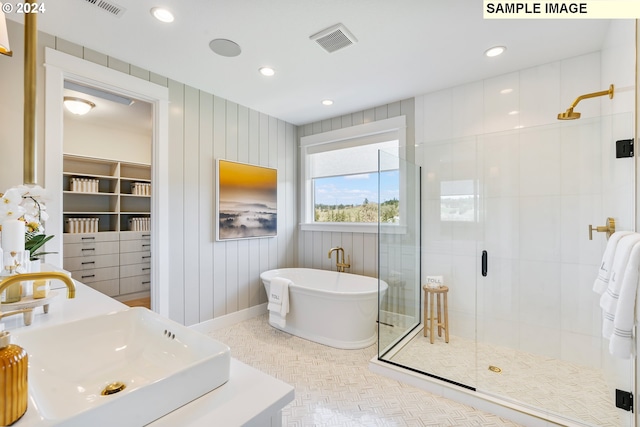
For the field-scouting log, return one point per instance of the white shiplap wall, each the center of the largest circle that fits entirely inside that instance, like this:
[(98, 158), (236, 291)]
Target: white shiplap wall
[(363, 247), (207, 278), (222, 277)]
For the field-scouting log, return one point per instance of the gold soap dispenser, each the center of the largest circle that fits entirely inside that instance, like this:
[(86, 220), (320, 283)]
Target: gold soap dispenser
[(13, 380)]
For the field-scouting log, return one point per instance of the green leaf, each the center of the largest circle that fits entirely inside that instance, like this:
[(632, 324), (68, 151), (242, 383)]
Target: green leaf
[(34, 242)]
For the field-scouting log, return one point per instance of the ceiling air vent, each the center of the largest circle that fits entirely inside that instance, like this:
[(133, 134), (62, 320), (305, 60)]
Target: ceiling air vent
[(334, 38), (112, 8)]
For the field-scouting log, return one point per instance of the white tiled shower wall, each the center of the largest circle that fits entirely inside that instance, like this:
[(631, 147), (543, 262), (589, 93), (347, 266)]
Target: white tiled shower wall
[(537, 194)]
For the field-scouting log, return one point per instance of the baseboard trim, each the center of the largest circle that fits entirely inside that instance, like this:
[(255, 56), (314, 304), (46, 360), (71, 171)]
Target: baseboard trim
[(231, 319)]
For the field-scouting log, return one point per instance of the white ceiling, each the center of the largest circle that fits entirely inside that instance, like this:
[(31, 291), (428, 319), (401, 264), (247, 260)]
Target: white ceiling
[(405, 47)]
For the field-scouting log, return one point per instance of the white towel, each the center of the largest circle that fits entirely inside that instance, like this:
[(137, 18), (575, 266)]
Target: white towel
[(609, 299), (602, 281), (621, 342), (278, 300)]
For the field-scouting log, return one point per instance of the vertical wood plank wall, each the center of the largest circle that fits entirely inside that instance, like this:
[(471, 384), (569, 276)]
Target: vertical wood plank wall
[(222, 277), (363, 247), (209, 279)]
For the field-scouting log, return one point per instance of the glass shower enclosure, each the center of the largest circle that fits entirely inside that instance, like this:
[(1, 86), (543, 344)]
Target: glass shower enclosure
[(528, 333), (399, 250)]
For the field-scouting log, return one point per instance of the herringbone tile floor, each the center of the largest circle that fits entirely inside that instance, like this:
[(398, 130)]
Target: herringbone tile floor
[(336, 388)]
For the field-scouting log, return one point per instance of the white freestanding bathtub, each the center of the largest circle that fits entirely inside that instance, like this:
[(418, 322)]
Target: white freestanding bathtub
[(330, 308)]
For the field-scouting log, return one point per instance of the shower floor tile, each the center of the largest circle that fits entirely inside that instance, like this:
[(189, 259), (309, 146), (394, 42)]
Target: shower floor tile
[(336, 388), (560, 387)]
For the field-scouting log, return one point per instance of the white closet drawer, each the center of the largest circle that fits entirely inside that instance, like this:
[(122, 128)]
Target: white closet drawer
[(107, 287), (106, 236), (135, 245), (129, 285), (90, 249), (135, 235), (91, 261), (134, 270), (95, 275), (129, 258)]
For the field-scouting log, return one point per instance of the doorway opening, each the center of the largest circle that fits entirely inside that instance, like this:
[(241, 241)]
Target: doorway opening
[(117, 206), (106, 182)]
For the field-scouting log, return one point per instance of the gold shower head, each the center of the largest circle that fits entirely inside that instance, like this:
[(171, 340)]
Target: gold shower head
[(572, 115), (569, 115)]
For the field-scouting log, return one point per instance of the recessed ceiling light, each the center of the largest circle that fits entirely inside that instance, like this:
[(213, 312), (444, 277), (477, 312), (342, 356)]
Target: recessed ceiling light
[(267, 71), (327, 102), (162, 14), (506, 91), (495, 51), (513, 113)]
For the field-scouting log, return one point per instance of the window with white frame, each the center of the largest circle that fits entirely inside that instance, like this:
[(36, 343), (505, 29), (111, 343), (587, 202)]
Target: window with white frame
[(341, 184)]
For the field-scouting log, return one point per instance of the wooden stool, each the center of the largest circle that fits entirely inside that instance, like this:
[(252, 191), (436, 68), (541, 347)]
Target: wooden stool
[(430, 295)]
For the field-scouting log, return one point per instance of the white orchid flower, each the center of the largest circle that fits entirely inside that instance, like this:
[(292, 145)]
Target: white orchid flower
[(10, 207), (32, 208), (12, 196), (26, 203), (10, 212)]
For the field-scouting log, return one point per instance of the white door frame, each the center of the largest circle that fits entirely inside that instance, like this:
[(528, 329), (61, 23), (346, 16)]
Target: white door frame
[(59, 67)]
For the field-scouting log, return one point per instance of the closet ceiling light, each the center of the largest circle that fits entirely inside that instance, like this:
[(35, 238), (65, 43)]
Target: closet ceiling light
[(494, 51), (162, 15), (267, 71), (78, 106), (506, 91), (327, 102)]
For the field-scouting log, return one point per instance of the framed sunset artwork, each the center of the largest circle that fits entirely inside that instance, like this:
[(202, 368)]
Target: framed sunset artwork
[(247, 201)]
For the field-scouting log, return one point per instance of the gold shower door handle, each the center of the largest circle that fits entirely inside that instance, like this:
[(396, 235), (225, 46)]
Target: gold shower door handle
[(610, 228)]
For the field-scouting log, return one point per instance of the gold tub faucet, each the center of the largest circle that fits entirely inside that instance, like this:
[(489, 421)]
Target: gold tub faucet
[(340, 265)]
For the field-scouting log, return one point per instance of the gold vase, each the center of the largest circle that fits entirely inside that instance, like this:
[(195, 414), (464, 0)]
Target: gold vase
[(13, 381)]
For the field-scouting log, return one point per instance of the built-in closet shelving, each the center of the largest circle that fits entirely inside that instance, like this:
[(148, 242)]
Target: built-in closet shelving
[(113, 203), (115, 256)]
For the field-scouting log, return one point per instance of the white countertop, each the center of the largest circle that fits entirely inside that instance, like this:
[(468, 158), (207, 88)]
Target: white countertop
[(249, 398)]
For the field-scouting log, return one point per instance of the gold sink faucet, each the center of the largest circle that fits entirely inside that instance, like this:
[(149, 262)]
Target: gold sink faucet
[(340, 265), (50, 275)]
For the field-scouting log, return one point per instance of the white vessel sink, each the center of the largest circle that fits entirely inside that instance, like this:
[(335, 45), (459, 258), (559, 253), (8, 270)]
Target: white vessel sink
[(162, 364)]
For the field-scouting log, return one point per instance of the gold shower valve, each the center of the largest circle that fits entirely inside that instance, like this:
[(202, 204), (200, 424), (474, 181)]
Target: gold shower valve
[(610, 228)]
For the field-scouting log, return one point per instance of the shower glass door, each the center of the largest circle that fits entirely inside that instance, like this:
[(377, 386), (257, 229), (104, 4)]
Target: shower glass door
[(399, 250), (452, 232), (539, 324)]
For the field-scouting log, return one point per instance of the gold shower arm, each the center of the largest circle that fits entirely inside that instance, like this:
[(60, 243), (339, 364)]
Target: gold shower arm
[(593, 95), (571, 115)]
